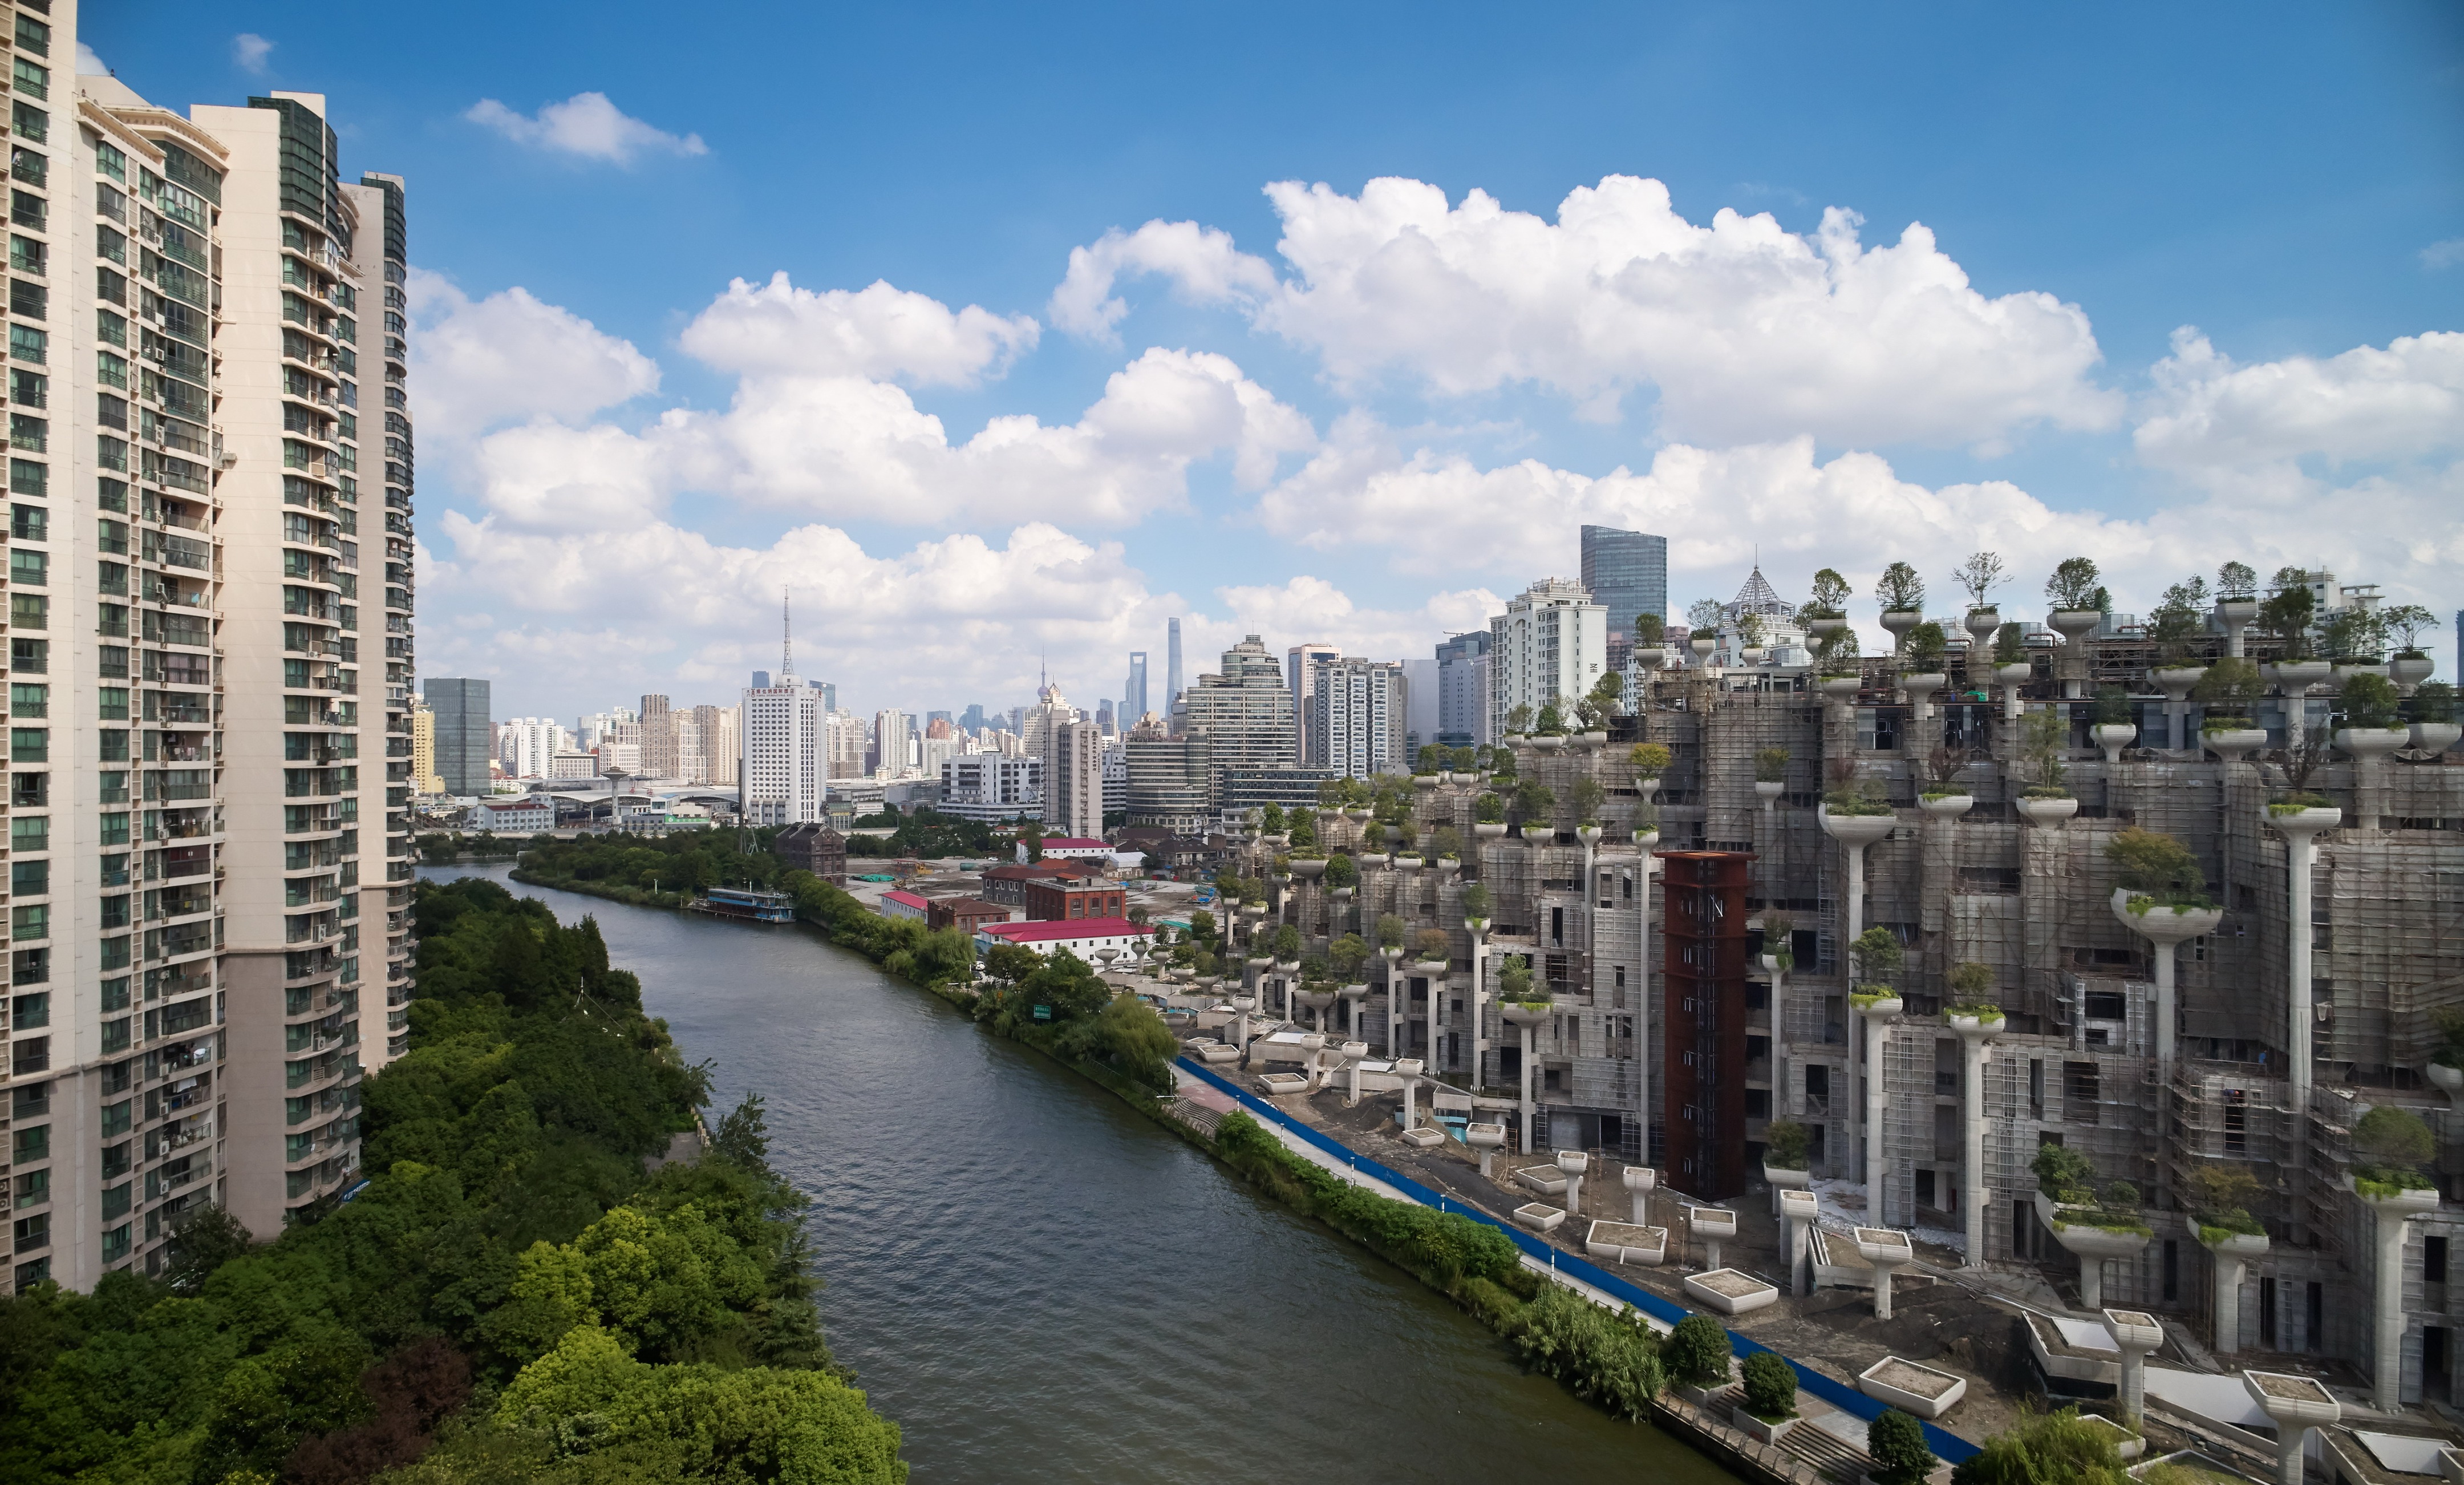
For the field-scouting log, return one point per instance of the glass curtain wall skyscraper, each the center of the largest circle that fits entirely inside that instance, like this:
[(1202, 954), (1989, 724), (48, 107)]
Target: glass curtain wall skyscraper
[(1134, 696), (1627, 574)]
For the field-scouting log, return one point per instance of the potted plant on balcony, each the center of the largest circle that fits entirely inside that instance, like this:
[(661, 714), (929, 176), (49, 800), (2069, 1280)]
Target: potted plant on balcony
[(1786, 1144), (1980, 574), (2043, 737), (2434, 716), (1944, 794), (2237, 596), (1488, 817), (1518, 722), (1446, 843), (1431, 951), (2078, 599), (2287, 615), (1769, 1406), (2410, 665), (1537, 803), (2220, 1203), (1825, 612), (2355, 640), (2011, 665), (1650, 641), (2179, 623), (1586, 796), (1973, 1007), (2228, 691), (1836, 660), (1597, 706), (2157, 872), (1475, 908), (1650, 760), (1770, 772), (1550, 732), (1877, 955), (2367, 707), (2113, 728), (1902, 593), (1341, 874), (1924, 645), (2390, 1146), (1705, 618), (1750, 638)]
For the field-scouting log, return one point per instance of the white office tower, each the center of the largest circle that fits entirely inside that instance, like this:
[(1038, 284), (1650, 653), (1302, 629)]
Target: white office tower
[(785, 777), (991, 788), (527, 745), (1550, 646), (1357, 713), (1073, 780), (208, 868)]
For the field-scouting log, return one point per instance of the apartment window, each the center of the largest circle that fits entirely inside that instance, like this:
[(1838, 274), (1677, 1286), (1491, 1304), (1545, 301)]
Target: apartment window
[(32, 1189), (29, 569), (31, 1014), (111, 703), (110, 325), (31, 832), (32, 301), (30, 745), (36, 36), (26, 700), (29, 791), (27, 209), (30, 656), (107, 158), (33, 79), (30, 878), (30, 610), (31, 123), (28, 477), (28, 344)]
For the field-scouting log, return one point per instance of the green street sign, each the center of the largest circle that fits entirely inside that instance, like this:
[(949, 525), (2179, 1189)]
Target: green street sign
[(1044, 1012)]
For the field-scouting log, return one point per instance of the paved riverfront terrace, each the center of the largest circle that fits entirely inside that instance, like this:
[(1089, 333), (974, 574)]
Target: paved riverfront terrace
[(1970, 1348)]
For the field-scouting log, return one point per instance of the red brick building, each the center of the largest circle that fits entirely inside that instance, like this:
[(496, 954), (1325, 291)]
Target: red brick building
[(967, 913), (1007, 884), (1055, 901)]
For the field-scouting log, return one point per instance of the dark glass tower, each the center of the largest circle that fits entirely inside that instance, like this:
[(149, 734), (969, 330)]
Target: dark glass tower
[(1627, 572)]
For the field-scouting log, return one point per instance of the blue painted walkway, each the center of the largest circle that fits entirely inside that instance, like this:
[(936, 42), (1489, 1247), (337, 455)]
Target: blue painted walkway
[(1949, 1447)]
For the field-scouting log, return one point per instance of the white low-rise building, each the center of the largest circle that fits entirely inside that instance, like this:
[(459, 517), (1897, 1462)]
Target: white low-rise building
[(1084, 937)]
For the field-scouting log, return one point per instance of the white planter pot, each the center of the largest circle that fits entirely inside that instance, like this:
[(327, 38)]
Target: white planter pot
[(1820, 627), (1754, 1427), (2074, 624), (2436, 737), (1947, 806), (2296, 678), (1651, 659), (2409, 671), (1306, 870), (2113, 737), (1983, 1026), (2233, 744), (2244, 1246), (1981, 622), (2176, 680), (1539, 835), (1549, 742), (1858, 829), (1486, 831), (2372, 742), (1751, 654), (1840, 688), (2013, 675), (2163, 925), (1912, 1388), (1899, 621), (1770, 788)]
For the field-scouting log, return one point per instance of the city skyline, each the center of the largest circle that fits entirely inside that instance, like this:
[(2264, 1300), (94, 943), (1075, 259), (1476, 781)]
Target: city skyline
[(1032, 415)]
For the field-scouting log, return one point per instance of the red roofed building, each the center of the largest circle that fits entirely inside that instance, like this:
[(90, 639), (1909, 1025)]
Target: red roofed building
[(1007, 884), (1082, 937), (905, 905)]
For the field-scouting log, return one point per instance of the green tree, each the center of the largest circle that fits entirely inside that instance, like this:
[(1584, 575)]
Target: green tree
[(1901, 590), (1390, 931), (2156, 865), (2073, 586), (1896, 1442), (1771, 1387), (1697, 1352), (2042, 1449), (1877, 953)]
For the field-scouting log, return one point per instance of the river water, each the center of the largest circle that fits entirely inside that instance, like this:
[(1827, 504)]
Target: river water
[(1039, 1285)]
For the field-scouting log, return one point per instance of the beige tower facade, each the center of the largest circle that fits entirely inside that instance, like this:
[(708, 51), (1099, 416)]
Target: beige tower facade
[(204, 875)]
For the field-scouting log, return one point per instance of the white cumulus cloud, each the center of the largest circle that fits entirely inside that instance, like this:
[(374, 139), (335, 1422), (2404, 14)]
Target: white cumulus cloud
[(1746, 331), (878, 332), (2212, 419), (587, 126), (511, 357), (249, 51)]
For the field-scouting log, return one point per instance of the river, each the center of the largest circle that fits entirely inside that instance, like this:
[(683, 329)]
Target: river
[(1040, 1285)]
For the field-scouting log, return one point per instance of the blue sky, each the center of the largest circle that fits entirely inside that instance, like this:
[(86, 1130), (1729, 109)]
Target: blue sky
[(1325, 448)]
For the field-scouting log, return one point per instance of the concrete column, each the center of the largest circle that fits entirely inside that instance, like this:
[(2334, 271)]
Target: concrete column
[(2134, 1333), (1639, 1182), (1573, 1163), (1409, 1071), (1855, 833), (1352, 1053), (1644, 1012), (2387, 1318), (2295, 1405), (1976, 1045), (1396, 997), (1888, 1252), (1479, 970), (1878, 1029), (2300, 832), (1711, 1225), (2232, 1255), (1484, 1139), (1797, 1212)]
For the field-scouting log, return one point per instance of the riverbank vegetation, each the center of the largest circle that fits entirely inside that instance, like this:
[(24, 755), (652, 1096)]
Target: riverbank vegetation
[(508, 1298)]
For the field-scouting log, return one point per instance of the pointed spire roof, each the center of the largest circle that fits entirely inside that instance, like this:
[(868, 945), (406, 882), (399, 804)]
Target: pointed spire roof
[(1758, 596)]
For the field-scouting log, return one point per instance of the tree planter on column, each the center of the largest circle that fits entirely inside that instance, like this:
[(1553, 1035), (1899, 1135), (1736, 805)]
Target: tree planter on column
[(2111, 736), (2081, 1231), (2234, 615), (2394, 1206), (1539, 835), (2047, 811), (1899, 621), (1921, 687), (1947, 806), (2369, 745), (2436, 737), (2011, 678), (2167, 927), (1976, 1030), (2074, 624), (2233, 744), (2296, 678), (2298, 1405), (1525, 1015), (1842, 689), (2176, 680), (1484, 1139)]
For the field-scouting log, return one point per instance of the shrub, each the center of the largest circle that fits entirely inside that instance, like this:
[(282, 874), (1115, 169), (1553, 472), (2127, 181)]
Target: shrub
[(1340, 872), (2391, 1145), (1877, 952), (1650, 760), (2433, 701), (1896, 1441), (1901, 590), (2368, 700), (2113, 708), (1650, 630), (2010, 645), (1434, 945), (1475, 902), (2073, 586), (2064, 1174), (2235, 580), (1831, 591), (1785, 1145), (2045, 1448), (1771, 764), (2228, 689), (2221, 1196), (1587, 796), (1863, 796), (1771, 1387), (1697, 1352), (1489, 809), (1284, 942), (1613, 1360), (2158, 866), (1535, 801), (1928, 644)]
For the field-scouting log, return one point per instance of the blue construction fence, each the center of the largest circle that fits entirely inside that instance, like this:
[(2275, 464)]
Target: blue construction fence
[(1946, 1445)]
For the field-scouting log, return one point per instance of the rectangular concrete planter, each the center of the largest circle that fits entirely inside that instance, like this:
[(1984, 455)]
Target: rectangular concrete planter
[(1912, 1388), (1545, 1219), (1730, 1290), (1547, 1180), (1622, 1242), (2125, 1444), (1754, 1427)]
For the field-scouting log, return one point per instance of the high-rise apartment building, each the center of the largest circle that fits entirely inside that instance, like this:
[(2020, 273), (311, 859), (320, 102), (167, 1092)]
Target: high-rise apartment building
[(465, 739), (525, 745), (207, 869), (1300, 676), (1627, 574), (1356, 712), (1247, 710), (658, 739), (423, 749), (990, 787), (707, 751), (893, 741), (848, 741), (1550, 646), (1463, 691), (1134, 696), (1073, 781)]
